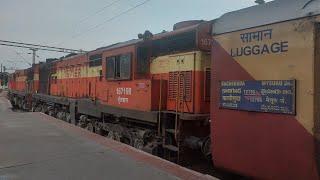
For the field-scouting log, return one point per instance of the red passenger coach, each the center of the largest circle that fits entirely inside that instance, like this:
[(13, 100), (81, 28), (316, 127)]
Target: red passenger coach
[(265, 90)]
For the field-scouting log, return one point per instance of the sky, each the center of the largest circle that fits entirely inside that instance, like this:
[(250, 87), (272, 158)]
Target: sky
[(87, 25)]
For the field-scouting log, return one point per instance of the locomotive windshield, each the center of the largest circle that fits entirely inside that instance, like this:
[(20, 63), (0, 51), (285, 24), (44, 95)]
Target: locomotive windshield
[(178, 43)]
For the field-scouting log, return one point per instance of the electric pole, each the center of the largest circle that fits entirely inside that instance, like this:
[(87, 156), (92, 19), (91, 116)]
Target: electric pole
[(34, 55), (37, 47)]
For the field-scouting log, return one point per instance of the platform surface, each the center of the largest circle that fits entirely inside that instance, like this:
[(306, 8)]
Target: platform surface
[(37, 146)]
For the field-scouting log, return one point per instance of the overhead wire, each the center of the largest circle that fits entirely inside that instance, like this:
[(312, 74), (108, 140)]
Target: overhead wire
[(81, 21), (106, 21), (35, 46), (89, 16), (23, 59), (98, 11), (38, 47)]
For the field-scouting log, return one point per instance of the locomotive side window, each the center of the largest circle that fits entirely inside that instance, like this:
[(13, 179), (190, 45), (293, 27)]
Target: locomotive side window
[(125, 66), (95, 60), (119, 67), (142, 62), (173, 44), (111, 63)]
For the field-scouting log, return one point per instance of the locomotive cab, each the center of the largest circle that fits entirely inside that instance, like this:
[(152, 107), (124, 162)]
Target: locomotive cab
[(181, 58)]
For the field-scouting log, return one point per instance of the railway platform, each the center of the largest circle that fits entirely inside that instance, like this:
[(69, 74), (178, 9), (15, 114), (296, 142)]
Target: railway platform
[(37, 146)]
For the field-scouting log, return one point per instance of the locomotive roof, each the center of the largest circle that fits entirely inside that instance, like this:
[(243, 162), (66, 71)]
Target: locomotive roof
[(175, 32), (268, 13), (118, 45), (99, 50), (155, 36), (136, 41)]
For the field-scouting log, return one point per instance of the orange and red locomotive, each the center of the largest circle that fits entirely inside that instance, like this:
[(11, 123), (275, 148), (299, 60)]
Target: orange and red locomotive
[(149, 92)]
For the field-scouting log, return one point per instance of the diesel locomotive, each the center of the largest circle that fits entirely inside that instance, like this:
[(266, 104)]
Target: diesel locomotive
[(152, 93)]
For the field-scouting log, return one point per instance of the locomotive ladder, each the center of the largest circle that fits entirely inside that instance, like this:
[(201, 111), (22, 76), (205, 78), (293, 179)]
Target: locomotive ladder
[(172, 125), (170, 143)]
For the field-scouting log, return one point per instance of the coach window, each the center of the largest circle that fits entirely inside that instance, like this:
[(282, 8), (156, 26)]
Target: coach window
[(119, 67)]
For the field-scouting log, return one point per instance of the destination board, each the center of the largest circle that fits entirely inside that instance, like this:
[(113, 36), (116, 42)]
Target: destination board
[(259, 96)]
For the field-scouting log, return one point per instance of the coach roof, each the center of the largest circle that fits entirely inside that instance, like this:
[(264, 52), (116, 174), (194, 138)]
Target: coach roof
[(268, 13)]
